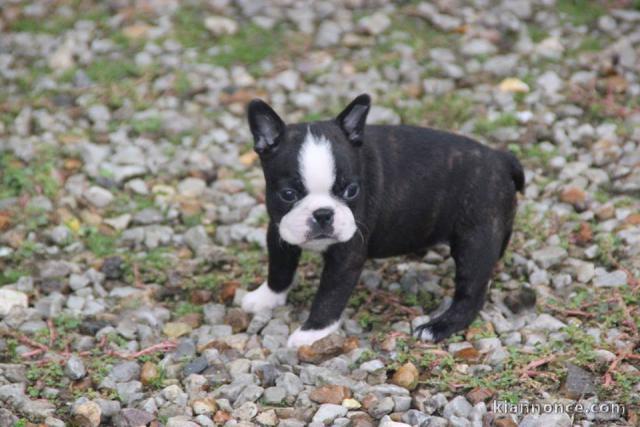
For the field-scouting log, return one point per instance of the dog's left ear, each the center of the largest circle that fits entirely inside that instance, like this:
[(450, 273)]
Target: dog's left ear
[(353, 118)]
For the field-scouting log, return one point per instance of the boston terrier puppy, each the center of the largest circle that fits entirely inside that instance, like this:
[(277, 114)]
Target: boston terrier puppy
[(355, 192)]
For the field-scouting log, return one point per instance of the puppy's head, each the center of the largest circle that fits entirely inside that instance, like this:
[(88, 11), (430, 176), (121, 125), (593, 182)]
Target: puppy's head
[(312, 172)]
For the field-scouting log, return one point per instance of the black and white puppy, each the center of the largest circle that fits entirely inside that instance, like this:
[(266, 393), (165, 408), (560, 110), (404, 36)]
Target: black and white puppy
[(355, 192)]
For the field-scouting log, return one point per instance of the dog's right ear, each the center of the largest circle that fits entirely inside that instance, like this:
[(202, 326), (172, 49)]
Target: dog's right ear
[(353, 118), (266, 126)]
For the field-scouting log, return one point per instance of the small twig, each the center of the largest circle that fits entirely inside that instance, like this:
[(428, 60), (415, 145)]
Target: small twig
[(531, 374), (625, 354), (32, 353), (160, 347), (31, 343), (67, 350), (530, 369), (570, 312), (103, 341), (137, 281), (52, 332), (608, 376), (391, 299)]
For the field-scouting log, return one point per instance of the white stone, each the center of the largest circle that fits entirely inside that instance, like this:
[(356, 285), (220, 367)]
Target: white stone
[(192, 187), (62, 58), (375, 24), (10, 298), (546, 322), (328, 412), (220, 26), (613, 279), (98, 196)]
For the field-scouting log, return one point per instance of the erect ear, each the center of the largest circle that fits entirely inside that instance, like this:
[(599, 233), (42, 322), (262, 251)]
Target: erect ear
[(353, 118), (266, 126)]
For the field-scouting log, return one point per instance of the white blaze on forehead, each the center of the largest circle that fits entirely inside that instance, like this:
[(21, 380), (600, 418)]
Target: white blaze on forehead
[(316, 164), (317, 168)]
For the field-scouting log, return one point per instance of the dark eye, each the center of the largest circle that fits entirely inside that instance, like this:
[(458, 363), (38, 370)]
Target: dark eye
[(288, 195), (351, 192)]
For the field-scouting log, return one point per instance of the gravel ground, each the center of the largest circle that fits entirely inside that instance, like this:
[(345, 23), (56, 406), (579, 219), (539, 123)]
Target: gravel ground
[(132, 219)]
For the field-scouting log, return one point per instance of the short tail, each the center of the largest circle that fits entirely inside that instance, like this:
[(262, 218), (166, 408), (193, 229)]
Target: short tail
[(517, 173)]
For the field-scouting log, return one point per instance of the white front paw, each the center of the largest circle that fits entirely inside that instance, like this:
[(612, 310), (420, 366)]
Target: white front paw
[(307, 337), (263, 298)]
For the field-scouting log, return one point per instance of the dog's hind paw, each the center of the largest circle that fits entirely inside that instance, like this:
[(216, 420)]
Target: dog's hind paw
[(435, 330), (423, 332)]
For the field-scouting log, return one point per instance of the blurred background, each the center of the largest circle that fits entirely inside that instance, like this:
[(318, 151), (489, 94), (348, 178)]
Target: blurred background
[(132, 214)]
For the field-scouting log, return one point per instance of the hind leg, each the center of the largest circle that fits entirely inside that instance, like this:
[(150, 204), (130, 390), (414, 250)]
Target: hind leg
[(476, 252)]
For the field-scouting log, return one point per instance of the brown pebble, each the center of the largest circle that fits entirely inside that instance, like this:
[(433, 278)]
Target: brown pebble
[(479, 394), (330, 394), (505, 422), (575, 196), (362, 420), (201, 296), (221, 417), (350, 344), (237, 319), (192, 319), (228, 291), (323, 349), (148, 373), (82, 384), (469, 354), (406, 376), (369, 401)]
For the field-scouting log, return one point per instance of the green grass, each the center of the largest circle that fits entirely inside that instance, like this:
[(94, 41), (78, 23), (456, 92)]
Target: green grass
[(537, 33), (608, 245), (27, 80), (421, 36), (528, 223), (251, 263), (444, 112), (248, 47), (66, 323), (533, 153), (590, 44), (108, 71), (148, 125), (98, 243), (182, 84), (152, 266), (50, 374), (57, 24), (10, 275), (314, 116), (17, 178), (485, 126), (184, 308), (192, 220), (189, 28), (581, 12)]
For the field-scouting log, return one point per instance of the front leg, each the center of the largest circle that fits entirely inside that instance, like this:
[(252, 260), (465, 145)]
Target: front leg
[(343, 265), (283, 261)]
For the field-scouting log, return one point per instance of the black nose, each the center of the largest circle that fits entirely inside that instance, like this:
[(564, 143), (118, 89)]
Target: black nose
[(323, 216)]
